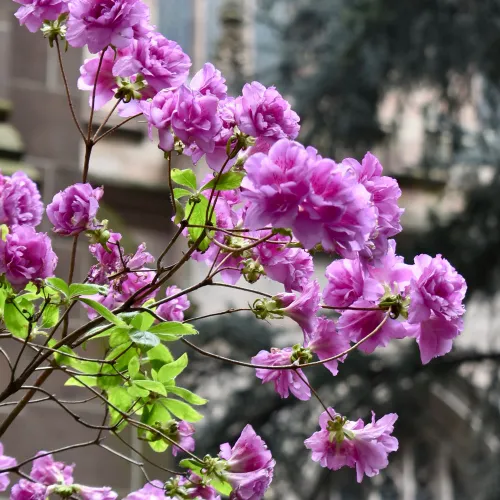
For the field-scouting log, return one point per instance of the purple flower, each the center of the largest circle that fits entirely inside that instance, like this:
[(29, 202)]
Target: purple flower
[(99, 23), (436, 290), (5, 462), (209, 81), (150, 491), (89, 493), (385, 194), (390, 274), (275, 185), (106, 81), (436, 306), (33, 13), (356, 325), (291, 266), (174, 309), (122, 288), (25, 256), (263, 113), (302, 309), (158, 113), (183, 437), (325, 341), (342, 443), (435, 336), (196, 119), (26, 490), (218, 157), (48, 472), (338, 212), (196, 489), (161, 61), (20, 201), (345, 283), (74, 209), (285, 381), (250, 466)]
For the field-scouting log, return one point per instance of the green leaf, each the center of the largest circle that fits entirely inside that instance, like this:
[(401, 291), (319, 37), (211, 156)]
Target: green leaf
[(182, 410), (151, 385), (104, 312), (220, 484), (189, 396), (158, 415), (227, 182), (159, 446), (15, 321), (171, 370), (59, 285), (77, 289), (184, 177), (119, 336), (197, 213), (85, 381), (143, 321), (180, 193), (134, 366), (160, 353), (144, 339), (180, 213), (121, 399), (173, 328), (50, 316), (137, 392)]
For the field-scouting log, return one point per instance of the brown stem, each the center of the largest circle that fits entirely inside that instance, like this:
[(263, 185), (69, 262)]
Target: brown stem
[(68, 93), (116, 127)]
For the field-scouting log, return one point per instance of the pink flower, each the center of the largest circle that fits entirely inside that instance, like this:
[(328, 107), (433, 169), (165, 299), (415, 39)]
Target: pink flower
[(196, 119), (326, 342), (73, 210), (20, 201), (302, 309), (161, 61), (436, 306), (25, 256), (47, 471), (26, 490), (5, 462), (285, 381), (435, 336), (150, 491), (356, 325), (112, 261), (106, 81), (385, 194), (263, 113), (184, 437), (291, 266), (209, 81), (436, 290), (196, 489), (103, 493), (158, 113), (174, 309), (338, 212), (345, 283), (33, 13), (275, 185), (99, 23), (342, 443), (250, 466), (389, 273)]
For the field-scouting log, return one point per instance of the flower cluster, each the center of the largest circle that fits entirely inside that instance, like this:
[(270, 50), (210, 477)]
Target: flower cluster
[(49, 476), (278, 202)]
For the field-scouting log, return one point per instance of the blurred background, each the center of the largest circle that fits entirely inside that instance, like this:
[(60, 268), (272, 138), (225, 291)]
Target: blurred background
[(415, 82)]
